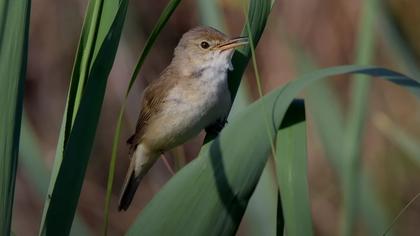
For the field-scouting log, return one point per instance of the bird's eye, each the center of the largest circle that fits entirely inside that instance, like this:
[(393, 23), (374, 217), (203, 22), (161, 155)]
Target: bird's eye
[(204, 45)]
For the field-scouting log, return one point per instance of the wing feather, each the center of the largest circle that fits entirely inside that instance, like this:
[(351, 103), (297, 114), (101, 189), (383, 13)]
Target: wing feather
[(153, 97)]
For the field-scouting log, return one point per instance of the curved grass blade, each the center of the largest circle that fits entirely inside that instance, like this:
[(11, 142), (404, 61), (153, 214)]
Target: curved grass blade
[(163, 19), (209, 195), (260, 217), (14, 25), (68, 172), (291, 168)]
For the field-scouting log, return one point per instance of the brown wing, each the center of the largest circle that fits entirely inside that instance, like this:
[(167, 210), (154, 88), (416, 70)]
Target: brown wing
[(153, 97)]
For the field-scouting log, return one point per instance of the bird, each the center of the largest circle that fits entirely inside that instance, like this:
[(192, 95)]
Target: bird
[(191, 94)]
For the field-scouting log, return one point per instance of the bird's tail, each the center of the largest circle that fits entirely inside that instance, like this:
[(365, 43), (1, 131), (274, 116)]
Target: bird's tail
[(141, 162)]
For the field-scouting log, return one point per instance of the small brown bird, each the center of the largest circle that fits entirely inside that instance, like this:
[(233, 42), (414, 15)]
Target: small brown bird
[(191, 94)]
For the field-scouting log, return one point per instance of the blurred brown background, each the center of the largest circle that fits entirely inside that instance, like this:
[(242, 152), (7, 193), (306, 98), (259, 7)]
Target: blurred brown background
[(325, 29)]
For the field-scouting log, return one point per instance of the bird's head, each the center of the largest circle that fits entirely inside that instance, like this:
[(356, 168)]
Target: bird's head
[(205, 47)]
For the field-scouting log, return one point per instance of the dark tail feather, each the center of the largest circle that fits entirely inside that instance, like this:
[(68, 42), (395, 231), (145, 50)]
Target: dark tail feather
[(128, 191), (141, 161)]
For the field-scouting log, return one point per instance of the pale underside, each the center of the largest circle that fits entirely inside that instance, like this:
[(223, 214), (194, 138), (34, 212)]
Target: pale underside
[(189, 107), (191, 94), (192, 103)]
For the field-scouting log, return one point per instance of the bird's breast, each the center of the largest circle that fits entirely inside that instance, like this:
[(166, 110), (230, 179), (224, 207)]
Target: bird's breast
[(190, 106)]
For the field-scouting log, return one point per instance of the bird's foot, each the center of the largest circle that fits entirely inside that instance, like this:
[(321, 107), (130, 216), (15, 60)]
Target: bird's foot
[(216, 127)]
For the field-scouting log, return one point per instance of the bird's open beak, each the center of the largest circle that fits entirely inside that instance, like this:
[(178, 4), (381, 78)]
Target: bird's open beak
[(232, 43)]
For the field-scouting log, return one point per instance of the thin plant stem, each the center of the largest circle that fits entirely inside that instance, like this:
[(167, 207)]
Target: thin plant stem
[(168, 166), (400, 213), (258, 80)]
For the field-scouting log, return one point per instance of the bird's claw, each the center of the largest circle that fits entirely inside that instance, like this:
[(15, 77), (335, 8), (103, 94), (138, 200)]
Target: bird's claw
[(216, 127)]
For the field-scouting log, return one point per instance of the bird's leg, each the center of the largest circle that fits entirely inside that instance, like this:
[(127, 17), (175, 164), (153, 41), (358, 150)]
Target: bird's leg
[(166, 162), (216, 127)]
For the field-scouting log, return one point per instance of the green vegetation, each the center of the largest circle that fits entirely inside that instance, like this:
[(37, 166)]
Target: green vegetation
[(210, 195), (14, 26), (95, 56)]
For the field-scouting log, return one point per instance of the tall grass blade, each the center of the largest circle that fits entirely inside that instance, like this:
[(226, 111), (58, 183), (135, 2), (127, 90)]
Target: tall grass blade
[(14, 25), (401, 49), (258, 13), (291, 168), (31, 159), (35, 170), (372, 209), (355, 124), (209, 195), (261, 218), (97, 48), (329, 122), (163, 19)]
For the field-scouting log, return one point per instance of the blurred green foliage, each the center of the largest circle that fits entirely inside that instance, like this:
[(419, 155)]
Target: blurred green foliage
[(211, 194)]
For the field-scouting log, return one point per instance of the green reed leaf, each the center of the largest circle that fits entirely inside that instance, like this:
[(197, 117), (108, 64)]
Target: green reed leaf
[(14, 25)]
